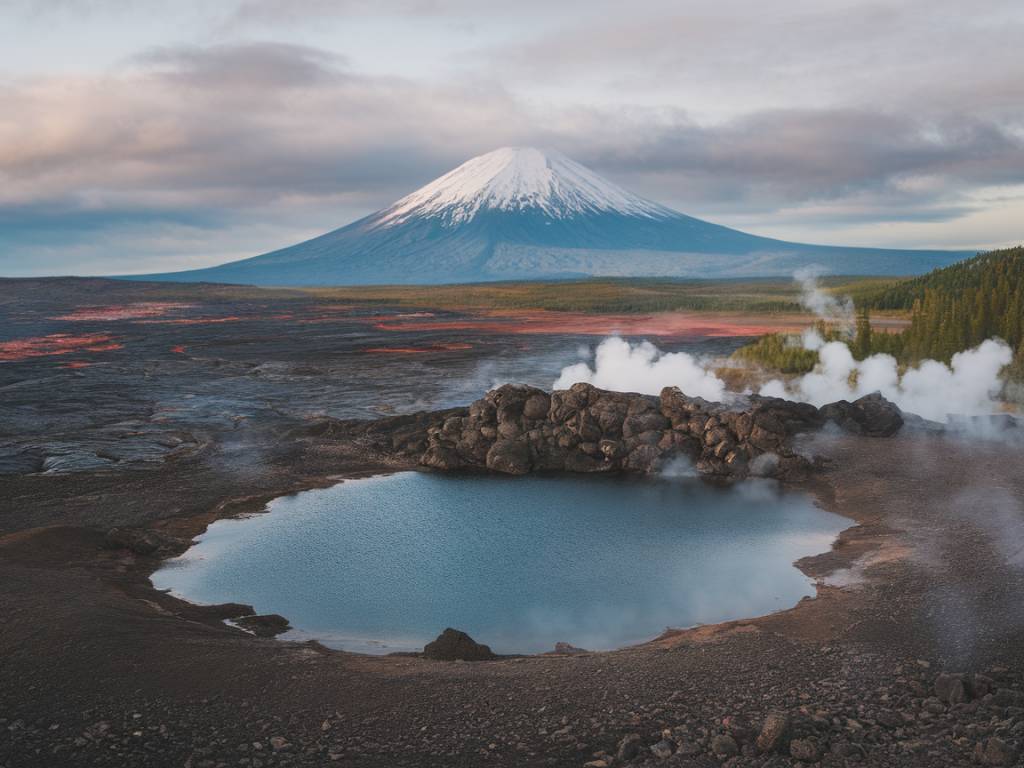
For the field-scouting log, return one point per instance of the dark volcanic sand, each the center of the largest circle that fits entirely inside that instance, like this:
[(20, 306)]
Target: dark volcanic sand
[(98, 669)]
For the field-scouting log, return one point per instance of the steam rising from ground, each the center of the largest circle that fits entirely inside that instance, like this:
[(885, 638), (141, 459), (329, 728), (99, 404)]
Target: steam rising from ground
[(968, 386), (824, 305), (643, 368)]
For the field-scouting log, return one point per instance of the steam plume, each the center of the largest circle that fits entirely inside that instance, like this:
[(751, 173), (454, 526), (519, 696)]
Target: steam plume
[(826, 306), (968, 386), (643, 368)]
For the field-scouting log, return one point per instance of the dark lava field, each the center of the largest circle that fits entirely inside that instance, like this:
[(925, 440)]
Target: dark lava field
[(102, 375)]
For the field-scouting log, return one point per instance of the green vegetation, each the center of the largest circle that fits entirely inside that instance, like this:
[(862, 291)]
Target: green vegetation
[(951, 309), (772, 296), (960, 306), (784, 352)]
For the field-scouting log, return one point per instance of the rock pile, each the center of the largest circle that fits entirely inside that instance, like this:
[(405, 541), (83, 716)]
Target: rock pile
[(517, 429)]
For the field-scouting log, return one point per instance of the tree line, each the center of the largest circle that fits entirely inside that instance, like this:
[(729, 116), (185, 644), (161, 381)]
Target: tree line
[(951, 309)]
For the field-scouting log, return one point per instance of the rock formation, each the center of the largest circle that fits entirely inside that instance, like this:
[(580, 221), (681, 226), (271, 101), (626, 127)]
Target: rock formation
[(517, 429), (453, 645), (264, 625)]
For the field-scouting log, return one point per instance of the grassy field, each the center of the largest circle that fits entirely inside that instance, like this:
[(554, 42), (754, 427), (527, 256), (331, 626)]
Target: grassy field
[(767, 296), (597, 296)]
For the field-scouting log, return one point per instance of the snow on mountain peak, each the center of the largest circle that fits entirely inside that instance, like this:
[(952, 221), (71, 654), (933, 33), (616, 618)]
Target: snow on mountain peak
[(516, 179)]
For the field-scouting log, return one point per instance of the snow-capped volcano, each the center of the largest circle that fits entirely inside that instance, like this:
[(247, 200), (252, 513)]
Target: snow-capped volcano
[(517, 179), (525, 214)]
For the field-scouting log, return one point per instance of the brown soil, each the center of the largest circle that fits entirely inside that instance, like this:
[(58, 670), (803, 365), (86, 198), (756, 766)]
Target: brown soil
[(87, 642)]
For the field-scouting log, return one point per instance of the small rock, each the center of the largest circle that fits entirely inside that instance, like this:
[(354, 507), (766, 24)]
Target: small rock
[(805, 750), (629, 747), (950, 689), (663, 749), (724, 746), (690, 749), (739, 729), (279, 743), (265, 625), (996, 752), (889, 719), (933, 705), (775, 732)]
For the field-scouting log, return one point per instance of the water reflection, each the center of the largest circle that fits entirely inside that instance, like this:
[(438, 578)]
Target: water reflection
[(385, 563)]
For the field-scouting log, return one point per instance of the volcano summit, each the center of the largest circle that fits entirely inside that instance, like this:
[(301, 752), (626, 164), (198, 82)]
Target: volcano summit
[(520, 213)]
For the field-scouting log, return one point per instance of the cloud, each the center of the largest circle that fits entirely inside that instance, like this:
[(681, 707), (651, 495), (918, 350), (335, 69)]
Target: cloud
[(784, 157), (297, 139), (254, 65), (731, 57)]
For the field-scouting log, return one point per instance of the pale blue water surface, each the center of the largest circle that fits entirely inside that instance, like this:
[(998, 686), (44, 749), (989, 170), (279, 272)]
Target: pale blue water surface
[(385, 563)]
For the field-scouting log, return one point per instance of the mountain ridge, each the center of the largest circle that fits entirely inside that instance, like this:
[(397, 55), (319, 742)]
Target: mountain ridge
[(520, 213)]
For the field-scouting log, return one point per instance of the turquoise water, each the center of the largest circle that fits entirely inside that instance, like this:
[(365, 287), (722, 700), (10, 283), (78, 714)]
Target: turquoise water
[(385, 563)]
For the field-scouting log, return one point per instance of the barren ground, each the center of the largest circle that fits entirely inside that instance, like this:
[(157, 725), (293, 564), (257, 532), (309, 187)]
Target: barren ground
[(96, 668)]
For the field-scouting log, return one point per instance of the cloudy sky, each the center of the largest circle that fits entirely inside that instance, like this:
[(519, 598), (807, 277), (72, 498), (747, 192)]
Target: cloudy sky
[(146, 135)]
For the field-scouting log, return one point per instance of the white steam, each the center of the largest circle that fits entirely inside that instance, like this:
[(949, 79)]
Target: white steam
[(643, 368), (821, 303), (968, 386)]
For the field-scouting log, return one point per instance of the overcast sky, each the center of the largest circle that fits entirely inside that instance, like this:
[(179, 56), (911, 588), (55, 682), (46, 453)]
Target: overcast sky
[(147, 135)]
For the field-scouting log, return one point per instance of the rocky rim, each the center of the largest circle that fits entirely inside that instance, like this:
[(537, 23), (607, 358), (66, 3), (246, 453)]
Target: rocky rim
[(516, 429)]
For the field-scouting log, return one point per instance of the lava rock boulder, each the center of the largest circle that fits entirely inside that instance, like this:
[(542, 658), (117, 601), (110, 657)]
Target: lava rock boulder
[(871, 415), (453, 645)]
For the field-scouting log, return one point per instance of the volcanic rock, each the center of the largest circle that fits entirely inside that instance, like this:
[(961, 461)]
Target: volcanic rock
[(871, 415), (739, 728), (950, 689), (264, 625), (629, 747), (663, 749), (516, 429), (995, 751), (774, 733), (509, 456), (453, 645), (724, 746), (441, 457), (805, 750)]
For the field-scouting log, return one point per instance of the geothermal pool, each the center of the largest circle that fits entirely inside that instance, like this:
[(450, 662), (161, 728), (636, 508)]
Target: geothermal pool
[(385, 563)]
